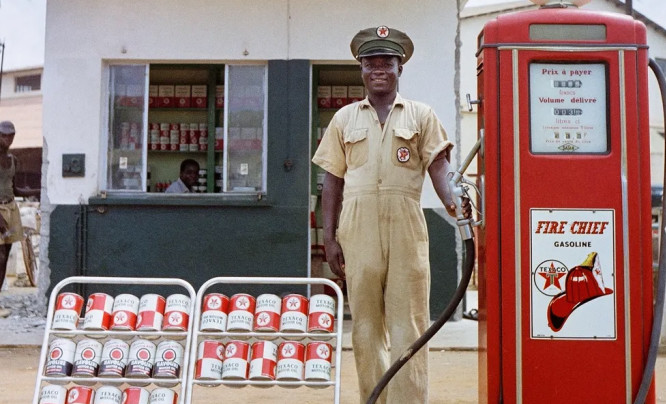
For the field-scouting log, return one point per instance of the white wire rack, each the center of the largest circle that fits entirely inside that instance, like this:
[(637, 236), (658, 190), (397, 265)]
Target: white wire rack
[(181, 382), (336, 335)]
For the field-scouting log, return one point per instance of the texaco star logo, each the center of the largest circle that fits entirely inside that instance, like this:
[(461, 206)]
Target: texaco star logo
[(89, 304), (68, 302), (293, 303), (120, 318), (263, 319), (231, 351), (383, 31), (219, 351), (323, 352), (73, 395), (242, 302), (324, 320), (403, 154), (175, 318), (288, 350), (214, 302)]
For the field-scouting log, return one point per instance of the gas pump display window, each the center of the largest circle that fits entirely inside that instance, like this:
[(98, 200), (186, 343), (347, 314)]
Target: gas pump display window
[(568, 108)]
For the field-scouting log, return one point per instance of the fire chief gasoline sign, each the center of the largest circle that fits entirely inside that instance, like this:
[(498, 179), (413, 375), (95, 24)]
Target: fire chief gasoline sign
[(572, 277)]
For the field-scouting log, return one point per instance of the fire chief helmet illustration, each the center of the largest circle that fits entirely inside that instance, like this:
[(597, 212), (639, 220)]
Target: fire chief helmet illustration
[(583, 283)]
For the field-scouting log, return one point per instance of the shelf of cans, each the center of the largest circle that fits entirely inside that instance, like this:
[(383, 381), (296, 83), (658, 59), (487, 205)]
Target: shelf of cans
[(124, 349), (266, 340)]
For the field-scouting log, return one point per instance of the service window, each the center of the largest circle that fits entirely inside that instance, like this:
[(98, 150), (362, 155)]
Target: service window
[(162, 115)]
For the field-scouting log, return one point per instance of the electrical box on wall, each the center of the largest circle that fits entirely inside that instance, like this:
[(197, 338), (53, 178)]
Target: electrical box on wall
[(73, 165)]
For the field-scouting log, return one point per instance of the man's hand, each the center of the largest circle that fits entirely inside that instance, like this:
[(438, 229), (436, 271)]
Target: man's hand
[(466, 208), (4, 227), (335, 258)]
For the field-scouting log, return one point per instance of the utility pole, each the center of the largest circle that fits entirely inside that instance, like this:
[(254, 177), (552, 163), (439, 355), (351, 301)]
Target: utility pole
[(2, 62)]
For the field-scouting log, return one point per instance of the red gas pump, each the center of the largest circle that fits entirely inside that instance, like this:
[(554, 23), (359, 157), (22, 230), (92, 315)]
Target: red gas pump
[(565, 267)]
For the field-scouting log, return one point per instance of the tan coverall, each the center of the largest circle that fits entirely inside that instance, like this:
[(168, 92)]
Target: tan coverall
[(383, 235)]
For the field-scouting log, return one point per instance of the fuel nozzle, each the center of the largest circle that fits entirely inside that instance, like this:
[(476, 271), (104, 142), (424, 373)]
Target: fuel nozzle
[(459, 186)]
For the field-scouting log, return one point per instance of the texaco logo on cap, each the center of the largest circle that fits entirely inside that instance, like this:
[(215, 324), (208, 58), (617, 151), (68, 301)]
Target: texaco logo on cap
[(403, 154), (231, 350), (383, 31), (73, 395)]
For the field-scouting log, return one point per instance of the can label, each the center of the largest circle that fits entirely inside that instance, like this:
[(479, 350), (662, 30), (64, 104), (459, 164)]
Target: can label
[(290, 364), (321, 313), (52, 394), (114, 358), (267, 317), (176, 313), (108, 395), (80, 395), (263, 362), (135, 395), (241, 315), (294, 316), (318, 361), (163, 396), (141, 359), (87, 358), (125, 310), (67, 311), (151, 312), (236, 360), (215, 309), (168, 359), (98, 312), (210, 356), (61, 358)]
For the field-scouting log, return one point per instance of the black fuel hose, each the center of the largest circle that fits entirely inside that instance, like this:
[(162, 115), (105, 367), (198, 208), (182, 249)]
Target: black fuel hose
[(468, 268), (648, 370)]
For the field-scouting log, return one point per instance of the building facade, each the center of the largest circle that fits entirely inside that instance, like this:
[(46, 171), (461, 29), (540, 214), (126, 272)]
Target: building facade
[(233, 85)]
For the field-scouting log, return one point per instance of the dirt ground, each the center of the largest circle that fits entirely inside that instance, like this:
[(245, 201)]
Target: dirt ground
[(453, 379)]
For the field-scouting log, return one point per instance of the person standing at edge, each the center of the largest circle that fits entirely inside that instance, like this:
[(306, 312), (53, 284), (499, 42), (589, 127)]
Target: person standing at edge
[(375, 153), (11, 229)]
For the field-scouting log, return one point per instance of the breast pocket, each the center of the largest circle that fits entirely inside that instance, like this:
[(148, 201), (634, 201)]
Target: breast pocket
[(356, 148), (406, 149)]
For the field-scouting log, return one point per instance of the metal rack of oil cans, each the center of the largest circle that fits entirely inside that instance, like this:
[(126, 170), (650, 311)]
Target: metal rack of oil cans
[(182, 336), (331, 339)]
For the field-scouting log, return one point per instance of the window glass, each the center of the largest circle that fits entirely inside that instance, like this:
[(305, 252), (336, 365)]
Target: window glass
[(246, 128), (162, 116), (25, 84), (125, 158)]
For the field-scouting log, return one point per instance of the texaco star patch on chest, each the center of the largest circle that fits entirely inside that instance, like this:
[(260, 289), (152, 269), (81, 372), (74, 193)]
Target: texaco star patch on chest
[(403, 154)]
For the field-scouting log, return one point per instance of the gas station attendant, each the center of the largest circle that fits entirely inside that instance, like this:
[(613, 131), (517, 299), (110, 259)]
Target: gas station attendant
[(376, 153)]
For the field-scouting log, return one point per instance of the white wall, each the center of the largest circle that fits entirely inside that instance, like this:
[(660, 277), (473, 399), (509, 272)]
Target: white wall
[(81, 35)]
